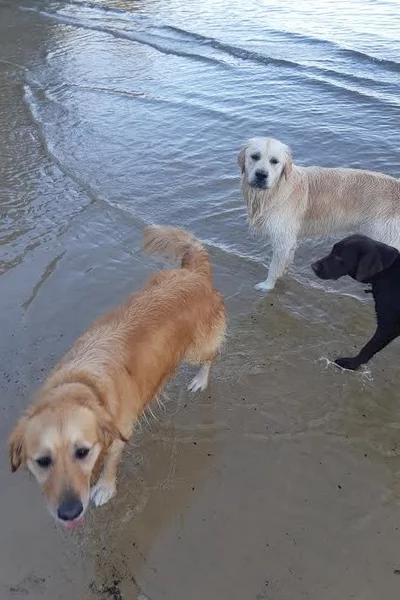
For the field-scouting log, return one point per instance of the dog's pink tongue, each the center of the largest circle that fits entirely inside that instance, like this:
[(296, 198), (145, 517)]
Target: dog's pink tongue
[(73, 524)]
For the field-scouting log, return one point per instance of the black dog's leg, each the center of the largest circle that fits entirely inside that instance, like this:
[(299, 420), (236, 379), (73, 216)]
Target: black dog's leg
[(383, 335)]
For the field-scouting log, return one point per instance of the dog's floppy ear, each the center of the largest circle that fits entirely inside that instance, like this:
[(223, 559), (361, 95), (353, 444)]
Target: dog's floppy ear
[(16, 445), (287, 169), (109, 432), (379, 258), (242, 158)]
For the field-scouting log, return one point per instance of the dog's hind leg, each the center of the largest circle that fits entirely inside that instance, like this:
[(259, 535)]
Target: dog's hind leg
[(201, 379), (283, 249), (206, 346)]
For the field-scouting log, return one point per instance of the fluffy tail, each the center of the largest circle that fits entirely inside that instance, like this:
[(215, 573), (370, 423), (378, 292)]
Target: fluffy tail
[(173, 242)]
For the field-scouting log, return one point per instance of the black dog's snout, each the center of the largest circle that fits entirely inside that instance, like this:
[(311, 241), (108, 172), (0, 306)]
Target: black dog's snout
[(316, 267), (261, 175), (70, 508)]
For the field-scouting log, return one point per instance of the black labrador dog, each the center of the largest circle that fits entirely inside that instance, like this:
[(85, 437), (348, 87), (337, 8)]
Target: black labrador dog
[(374, 263)]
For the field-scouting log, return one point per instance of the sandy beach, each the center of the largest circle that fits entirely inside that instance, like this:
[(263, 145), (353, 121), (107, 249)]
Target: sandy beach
[(279, 482)]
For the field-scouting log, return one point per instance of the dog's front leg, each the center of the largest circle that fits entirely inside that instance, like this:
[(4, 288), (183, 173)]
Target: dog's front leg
[(283, 248), (383, 335), (106, 487)]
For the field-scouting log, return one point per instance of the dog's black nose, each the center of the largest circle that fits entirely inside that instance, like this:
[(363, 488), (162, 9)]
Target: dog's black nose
[(261, 175), (70, 508)]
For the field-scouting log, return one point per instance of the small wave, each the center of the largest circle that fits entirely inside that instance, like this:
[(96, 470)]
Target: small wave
[(364, 373), (33, 107), (237, 51), (133, 37), (155, 31), (362, 87), (359, 94), (316, 284), (240, 52), (102, 9), (308, 70), (187, 105), (389, 64), (231, 250), (317, 76)]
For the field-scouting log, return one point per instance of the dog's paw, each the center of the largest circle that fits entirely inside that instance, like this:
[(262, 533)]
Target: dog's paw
[(264, 286), (197, 384), (349, 363), (200, 381), (102, 492)]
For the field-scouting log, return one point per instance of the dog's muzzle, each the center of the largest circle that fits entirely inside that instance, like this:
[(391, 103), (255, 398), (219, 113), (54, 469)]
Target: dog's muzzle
[(318, 269), (260, 180)]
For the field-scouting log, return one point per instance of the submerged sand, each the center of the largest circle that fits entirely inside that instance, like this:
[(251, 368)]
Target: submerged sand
[(278, 482)]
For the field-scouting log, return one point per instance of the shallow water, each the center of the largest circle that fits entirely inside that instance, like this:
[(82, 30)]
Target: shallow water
[(143, 107), (282, 483)]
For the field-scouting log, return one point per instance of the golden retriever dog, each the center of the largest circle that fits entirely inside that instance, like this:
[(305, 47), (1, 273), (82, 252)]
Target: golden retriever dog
[(285, 202), (86, 409)]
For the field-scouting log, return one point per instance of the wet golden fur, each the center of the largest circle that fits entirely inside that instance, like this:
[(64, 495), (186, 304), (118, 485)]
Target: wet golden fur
[(100, 388), (294, 202)]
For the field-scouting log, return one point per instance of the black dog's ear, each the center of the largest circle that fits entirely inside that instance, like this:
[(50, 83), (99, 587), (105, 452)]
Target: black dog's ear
[(378, 259)]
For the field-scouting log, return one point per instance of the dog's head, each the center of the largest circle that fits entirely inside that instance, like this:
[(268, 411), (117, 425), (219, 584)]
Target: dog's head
[(60, 440), (263, 161), (358, 256)]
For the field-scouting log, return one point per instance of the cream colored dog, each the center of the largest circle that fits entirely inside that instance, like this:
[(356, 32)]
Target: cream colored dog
[(285, 202)]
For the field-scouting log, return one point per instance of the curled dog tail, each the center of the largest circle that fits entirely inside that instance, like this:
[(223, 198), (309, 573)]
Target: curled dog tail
[(173, 242)]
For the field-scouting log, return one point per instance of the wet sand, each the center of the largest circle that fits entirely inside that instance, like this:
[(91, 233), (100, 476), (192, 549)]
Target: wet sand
[(280, 482), (266, 486)]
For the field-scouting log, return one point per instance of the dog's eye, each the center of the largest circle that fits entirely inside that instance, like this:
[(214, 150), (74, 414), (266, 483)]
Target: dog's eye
[(81, 453), (44, 462), (273, 161), (256, 156), (338, 259)]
